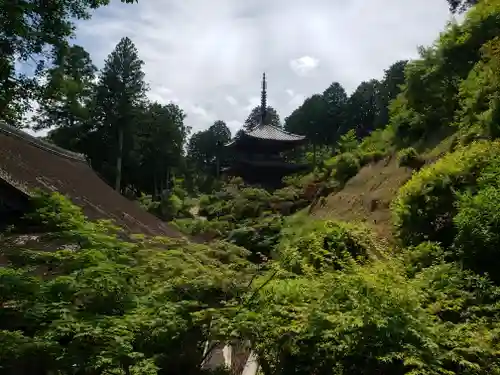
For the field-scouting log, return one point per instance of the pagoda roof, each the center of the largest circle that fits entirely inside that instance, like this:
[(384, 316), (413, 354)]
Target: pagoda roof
[(270, 132)]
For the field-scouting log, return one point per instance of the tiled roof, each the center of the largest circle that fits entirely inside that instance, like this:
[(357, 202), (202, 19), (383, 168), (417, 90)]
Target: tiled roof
[(272, 132), (269, 132), (29, 163)]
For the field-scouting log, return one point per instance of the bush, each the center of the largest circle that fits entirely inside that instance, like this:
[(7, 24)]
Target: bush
[(147, 203), (425, 206), (260, 237), (408, 157), (170, 207), (346, 166), (348, 142), (373, 320), (114, 306), (318, 246), (477, 243), (479, 99), (422, 256), (371, 157)]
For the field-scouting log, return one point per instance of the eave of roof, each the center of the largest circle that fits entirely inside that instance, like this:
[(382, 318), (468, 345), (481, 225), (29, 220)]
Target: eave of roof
[(270, 132)]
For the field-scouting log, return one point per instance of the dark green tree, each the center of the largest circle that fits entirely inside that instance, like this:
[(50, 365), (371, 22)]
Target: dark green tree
[(321, 117), (254, 118), (65, 97), (390, 87), (158, 148), (363, 108), (120, 93), (458, 6), (310, 119), (335, 98), (205, 150), (31, 31)]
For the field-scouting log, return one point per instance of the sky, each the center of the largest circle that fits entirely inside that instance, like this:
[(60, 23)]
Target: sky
[(208, 56)]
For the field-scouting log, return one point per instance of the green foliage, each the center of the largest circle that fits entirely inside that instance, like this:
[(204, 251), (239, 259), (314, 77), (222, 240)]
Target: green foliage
[(205, 153), (373, 319), (147, 203), (112, 306), (425, 205), (255, 117), (347, 142), (428, 101), (346, 166), (318, 246), (171, 205), (34, 33), (479, 98), (409, 157), (424, 255), (478, 230)]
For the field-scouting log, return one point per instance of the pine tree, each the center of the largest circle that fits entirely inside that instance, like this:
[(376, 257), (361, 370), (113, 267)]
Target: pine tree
[(120, 93), (67, 91), (255, 118)]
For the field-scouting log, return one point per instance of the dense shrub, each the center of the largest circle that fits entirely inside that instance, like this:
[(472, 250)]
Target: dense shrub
[(319, 246), (429, 100), (371, 157), (113, 306), (347, 142), (477, 243), (409, 157), (260, 237), (373, 320), (346, 166), (424, 255), (479, 111), (425, 205)]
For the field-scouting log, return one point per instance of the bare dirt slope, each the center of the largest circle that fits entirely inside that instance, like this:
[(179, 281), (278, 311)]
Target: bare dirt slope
[(367, 196)]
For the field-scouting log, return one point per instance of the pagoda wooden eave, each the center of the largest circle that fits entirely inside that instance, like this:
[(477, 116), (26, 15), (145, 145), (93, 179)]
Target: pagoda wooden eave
[(267, 134)]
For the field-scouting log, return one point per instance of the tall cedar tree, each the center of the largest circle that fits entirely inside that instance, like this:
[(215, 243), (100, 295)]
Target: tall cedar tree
[(158, 147), (120, 93)]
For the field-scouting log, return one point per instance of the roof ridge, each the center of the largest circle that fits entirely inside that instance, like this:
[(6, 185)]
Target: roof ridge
[(41, 144)]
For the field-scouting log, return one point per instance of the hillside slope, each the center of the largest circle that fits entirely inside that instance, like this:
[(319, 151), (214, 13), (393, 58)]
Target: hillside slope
[(366, 197)]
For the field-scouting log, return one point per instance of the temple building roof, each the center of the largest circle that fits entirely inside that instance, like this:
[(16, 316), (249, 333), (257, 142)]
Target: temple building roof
[(270, 132), (28, 163)]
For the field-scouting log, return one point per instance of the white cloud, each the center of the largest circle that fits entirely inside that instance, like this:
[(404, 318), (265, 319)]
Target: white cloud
[(253, 102), (231, 100), (303, 65), (205, 52), (234, 126)]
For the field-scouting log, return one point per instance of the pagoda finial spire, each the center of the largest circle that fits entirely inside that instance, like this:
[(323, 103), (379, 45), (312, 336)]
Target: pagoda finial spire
[(263, 99)]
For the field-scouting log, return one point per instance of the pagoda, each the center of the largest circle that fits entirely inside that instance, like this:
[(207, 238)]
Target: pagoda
[(257, 153)]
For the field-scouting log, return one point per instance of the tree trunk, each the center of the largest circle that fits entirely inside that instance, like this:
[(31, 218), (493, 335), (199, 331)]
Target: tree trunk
[(119, 161), (155, 183)]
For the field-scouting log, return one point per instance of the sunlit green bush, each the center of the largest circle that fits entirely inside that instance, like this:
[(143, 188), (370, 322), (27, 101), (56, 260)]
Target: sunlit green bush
[(409, 157), (318, 246), (425, 205), (346, 166), (477, 243)]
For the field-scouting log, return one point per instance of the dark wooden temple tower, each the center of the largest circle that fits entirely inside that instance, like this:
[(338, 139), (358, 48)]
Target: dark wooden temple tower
[(256, 154)]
